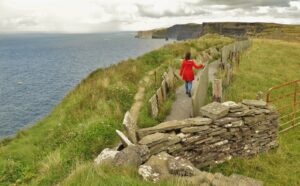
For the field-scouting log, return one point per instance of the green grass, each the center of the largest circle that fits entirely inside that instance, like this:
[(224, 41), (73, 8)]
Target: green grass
[(84, 123), (265, 64)]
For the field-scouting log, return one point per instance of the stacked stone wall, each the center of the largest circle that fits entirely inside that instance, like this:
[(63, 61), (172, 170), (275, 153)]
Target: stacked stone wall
[(224, 131)]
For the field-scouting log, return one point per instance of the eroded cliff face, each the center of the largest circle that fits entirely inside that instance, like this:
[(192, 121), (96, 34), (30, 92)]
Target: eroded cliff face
[(184, 31), (233, 29)]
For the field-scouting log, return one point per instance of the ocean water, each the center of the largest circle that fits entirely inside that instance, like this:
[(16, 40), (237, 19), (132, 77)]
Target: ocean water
[(37, 70)]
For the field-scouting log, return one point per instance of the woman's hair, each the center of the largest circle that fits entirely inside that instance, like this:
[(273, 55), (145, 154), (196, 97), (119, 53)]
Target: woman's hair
[(187, 56)]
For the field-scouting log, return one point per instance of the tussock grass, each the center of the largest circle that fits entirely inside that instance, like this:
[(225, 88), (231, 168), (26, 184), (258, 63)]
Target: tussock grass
[(265, 64)]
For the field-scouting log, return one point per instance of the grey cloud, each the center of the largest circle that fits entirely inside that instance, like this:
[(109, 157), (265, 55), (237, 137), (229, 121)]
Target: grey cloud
[(290, 12), (181, 12), (247, 3), (27, 21)]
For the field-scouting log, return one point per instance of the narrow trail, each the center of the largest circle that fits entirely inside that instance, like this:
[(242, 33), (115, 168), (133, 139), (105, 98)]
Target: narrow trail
[(182, 106), (139, 96)]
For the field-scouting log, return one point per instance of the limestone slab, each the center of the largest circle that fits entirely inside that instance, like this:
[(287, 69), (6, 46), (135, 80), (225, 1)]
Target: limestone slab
[(214, 110), (160, 97), (153, 106), (126, 142), (225, 120), (164, 89), (194, 129), (255, 103), (173, 125), (130, 127), (153, 139)]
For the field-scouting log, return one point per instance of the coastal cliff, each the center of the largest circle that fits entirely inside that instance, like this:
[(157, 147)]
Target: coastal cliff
[(231, 29)]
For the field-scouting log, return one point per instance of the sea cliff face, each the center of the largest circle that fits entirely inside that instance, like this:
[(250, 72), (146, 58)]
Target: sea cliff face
[(152, 34), (185, 31), (232, 29)]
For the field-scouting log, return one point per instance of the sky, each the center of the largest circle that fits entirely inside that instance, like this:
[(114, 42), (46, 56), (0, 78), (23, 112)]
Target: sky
[(84, 16)]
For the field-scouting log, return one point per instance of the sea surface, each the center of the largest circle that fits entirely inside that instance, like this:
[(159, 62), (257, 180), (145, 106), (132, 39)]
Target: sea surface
[(38, 70)]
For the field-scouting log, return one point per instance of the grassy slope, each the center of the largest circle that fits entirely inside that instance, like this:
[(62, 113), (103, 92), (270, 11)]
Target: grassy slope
[(265, 64), (64, 143)]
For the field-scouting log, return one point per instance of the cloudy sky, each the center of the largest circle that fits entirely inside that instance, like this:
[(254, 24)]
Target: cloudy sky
[(74, 16)]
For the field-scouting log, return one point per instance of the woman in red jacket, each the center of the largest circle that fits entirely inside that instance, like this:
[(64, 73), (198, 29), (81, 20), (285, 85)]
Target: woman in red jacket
[(187, 73)]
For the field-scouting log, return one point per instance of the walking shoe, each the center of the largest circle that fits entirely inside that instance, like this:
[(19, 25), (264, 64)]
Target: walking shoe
[(186, 92), (190, 95)]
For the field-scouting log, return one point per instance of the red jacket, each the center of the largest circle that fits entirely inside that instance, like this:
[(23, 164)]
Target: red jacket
[(186, 70)]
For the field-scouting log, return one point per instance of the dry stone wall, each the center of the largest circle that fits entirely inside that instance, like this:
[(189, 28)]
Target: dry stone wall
[(224, 131)]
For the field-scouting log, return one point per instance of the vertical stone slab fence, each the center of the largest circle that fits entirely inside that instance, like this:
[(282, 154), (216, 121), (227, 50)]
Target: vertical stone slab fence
[(167, 84), (201, 82), (230, 58), (199, 92), (226, 130)]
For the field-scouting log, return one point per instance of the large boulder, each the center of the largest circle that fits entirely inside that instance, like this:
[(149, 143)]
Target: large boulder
[(107, 155), (133, 155), (181, 167), (155, 168)]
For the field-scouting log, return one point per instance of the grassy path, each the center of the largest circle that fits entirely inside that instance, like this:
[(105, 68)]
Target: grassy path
[(139, 96)]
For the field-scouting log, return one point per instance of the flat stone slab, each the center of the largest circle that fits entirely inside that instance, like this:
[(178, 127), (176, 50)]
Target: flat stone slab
[(194, 129), (126, 142), (226, 120), (255, 103), (130, 127), (214, 110), (153, 139), (232, 105), (172, 125), (153, 106)]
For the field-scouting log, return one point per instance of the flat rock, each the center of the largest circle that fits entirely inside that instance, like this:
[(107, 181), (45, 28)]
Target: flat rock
[(194, 129), (173, 125), (153, 139), (214, 110), (226, 120), (173, 139), (174, 148), (255, 103), (232, 105)]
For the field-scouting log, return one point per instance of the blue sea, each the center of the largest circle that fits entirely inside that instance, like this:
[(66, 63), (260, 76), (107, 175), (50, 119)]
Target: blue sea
[(38, 70)]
